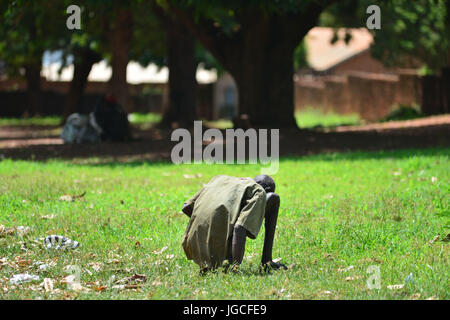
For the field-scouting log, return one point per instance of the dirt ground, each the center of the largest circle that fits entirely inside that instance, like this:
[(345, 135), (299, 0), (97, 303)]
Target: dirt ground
[(43, 142)]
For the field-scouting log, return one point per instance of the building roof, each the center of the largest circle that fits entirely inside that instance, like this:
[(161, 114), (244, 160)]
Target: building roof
[(322, 55)]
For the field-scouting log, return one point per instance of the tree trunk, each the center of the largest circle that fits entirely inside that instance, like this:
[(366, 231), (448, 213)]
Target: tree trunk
[(263, 73), (259, 55), (445, 83), (120, 39), (84, 60), (431, 95), (266, 86), (34, 93), (182, 78)]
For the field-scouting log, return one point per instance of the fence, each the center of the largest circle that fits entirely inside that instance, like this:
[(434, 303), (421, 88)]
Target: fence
[(373, 96)]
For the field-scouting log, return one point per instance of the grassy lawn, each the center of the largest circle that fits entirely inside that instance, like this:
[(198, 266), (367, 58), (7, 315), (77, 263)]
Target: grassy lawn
[(340, 214), (307, 118), (311, 117), (135, 118), (34, 121)]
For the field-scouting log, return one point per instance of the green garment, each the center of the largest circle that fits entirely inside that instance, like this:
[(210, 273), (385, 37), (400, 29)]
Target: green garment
[(224, 202)]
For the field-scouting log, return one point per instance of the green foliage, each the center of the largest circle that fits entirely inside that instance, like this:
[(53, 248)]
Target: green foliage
[(29, 28), (412, 32), (415, 29), (300, 56), (402, 112)]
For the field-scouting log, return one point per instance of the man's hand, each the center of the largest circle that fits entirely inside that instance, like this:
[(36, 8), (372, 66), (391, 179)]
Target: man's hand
[(187, 209), (271, 265)]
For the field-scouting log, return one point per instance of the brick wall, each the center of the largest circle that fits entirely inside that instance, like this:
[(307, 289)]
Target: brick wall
[(362, 62), (372, 95)]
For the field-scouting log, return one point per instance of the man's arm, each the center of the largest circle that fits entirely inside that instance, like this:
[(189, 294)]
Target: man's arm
[(238, 244), (270, 223)]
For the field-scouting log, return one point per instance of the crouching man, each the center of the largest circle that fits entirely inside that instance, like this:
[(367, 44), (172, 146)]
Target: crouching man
[(226, 211)]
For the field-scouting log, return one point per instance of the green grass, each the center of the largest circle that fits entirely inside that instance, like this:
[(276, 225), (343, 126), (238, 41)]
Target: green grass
[(144, 118), (338, 212), (310, 118), (135, 118), (34, 121), (307, 118)]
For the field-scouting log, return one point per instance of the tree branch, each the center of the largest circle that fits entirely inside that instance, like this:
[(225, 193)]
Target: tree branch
[(307, 19), (209, 35)]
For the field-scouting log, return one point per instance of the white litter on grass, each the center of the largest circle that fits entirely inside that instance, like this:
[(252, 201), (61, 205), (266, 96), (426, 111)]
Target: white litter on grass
[(60, 243), (21, 230), (409, 278), (22, 278), (42, 266)]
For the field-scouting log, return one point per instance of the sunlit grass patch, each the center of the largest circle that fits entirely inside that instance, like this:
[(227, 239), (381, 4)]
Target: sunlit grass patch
[(311, 117), (339, 215), (32, 121)]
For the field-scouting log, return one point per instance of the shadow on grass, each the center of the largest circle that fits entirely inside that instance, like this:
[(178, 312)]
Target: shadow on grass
[(333, 156)]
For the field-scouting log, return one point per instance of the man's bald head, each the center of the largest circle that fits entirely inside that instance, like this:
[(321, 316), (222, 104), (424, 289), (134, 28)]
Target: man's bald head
[(266, 182)]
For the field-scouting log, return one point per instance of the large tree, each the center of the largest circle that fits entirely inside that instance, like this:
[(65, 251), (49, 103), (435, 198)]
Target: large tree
[(160, 38), (182, 64), (255, 42), (25, 34)]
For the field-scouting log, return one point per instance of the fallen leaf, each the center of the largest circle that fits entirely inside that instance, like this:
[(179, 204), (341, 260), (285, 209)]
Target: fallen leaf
[(137, 278), (133, 286), (66, 197), (161, 250), (328, 256), (21, 230), (47, 284), (48, 217), (415, 296), (436, 238), (6, 231), (70, 198), (73, 284), (100, 288), (196, 292), (113, 261), (351, 278), (96, 266), (346, 269), (395, 286)]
